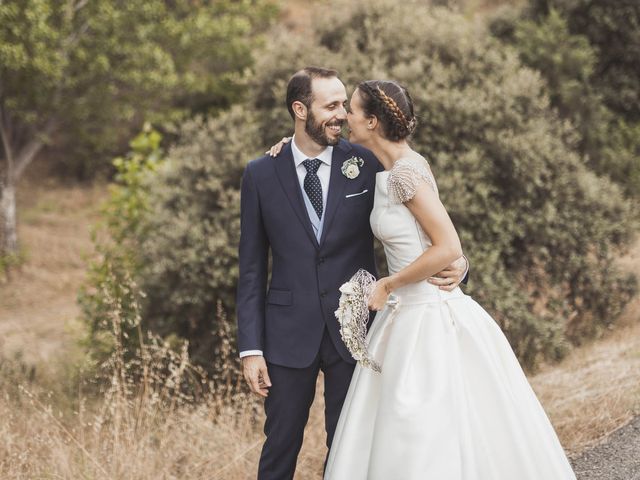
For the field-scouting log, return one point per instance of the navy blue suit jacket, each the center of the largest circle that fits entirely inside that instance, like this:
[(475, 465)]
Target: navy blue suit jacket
[(285, 317)]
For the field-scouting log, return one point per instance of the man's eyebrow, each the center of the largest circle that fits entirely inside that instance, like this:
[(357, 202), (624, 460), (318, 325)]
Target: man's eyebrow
[(336, 102)]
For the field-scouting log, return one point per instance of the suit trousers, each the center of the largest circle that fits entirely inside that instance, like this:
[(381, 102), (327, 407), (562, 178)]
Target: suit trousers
[(288, 403)]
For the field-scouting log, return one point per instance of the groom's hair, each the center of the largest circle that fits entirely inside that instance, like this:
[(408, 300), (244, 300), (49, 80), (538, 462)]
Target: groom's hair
[(299, 87)]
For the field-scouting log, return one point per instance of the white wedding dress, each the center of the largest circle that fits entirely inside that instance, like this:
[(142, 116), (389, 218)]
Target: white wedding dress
[(452, 402)]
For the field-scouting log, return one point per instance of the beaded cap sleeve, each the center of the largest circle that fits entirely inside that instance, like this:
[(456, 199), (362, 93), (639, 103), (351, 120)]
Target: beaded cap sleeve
[(405, 176)]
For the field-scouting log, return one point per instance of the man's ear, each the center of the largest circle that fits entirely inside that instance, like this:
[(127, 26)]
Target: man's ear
[(299, 110)]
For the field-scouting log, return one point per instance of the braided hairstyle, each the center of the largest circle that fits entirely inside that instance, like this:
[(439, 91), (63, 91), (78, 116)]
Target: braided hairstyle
[(391, 104)]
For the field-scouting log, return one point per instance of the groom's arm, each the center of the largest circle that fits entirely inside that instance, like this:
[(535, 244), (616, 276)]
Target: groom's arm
[(253, 259)]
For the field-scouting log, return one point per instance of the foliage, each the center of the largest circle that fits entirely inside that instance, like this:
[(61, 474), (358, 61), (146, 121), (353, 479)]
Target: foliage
[(588, 53), (174, 224), (9, 261), (539, 227), (508, 167), (191, 260), (116, 240), (613, 30), (85, 74)]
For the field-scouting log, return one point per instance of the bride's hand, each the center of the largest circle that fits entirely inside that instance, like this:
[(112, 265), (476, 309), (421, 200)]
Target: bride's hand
[(380, 294), (275, 150)]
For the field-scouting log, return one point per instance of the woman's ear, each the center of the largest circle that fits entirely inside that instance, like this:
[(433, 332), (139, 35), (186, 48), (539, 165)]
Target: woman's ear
[(372, 122), (299, 110)]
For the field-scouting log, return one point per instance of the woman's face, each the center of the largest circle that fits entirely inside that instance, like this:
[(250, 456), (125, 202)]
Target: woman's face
[(359, 131)]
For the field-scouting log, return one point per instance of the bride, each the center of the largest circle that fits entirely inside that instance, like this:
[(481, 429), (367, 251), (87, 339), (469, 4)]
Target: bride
[(451, 402)]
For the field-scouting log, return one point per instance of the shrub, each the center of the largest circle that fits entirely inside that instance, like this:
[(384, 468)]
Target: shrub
[(588, 53), (190, 256), (116, 239)]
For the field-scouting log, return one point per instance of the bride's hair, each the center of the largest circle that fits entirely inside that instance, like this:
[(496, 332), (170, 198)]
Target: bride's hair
[(391, 104)]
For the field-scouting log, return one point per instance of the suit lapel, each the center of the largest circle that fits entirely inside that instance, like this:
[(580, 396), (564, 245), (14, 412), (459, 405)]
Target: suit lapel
[(337, 184), (286, 171)]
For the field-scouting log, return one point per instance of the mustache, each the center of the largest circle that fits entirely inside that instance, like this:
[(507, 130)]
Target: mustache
[(336, 123)]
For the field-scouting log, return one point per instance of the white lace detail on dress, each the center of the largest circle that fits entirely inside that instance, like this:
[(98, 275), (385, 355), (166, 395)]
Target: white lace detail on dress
[(404, 178)]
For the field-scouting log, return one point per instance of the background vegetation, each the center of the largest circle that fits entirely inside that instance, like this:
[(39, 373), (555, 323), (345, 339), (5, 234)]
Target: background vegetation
[(529, 114), (512, 173), (77, 78)]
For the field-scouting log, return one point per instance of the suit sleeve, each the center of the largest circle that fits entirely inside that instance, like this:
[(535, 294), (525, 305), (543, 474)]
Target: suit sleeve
[(253, 256), (465, 280)]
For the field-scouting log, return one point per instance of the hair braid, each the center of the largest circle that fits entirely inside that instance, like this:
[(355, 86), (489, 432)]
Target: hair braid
[(397, 124), (392, 107)]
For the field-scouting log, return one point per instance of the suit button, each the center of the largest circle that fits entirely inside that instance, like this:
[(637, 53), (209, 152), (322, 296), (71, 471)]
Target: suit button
[(320, 260), (323, 293)]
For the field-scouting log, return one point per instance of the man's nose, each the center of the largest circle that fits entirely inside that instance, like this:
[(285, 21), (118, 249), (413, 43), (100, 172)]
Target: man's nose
[(342, 112)]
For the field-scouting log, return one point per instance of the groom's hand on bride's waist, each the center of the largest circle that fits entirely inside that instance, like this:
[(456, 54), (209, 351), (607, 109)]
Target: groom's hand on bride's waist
[(450, 277), (254, 369)]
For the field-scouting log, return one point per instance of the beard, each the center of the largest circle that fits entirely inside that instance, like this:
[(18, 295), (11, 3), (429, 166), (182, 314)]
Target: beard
[(317, 133)]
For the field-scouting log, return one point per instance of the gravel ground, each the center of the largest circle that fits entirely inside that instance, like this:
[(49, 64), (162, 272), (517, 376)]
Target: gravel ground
[(617, 458)]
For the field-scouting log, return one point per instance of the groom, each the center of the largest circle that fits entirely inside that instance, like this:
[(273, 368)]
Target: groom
[(312, 212)]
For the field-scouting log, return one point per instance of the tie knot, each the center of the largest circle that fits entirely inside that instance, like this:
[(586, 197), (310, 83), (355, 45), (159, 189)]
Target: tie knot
[(312, 165)]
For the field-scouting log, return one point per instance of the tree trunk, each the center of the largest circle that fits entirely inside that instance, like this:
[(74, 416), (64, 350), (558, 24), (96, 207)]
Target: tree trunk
[(9, 239), (11, 169)]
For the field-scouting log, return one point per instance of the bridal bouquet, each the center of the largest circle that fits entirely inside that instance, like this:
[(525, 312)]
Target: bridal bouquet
[(353, 316)]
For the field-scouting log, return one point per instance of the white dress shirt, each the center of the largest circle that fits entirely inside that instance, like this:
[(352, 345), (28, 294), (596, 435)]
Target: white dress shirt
[(324, 174)]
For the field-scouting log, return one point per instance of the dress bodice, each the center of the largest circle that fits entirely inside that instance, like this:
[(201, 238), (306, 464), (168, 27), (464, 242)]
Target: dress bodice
[(393, 224)]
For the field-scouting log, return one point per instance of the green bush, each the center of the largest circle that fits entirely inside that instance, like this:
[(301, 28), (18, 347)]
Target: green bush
[(112, 275), (190, 256), (540, 228), (613, 30), (589, 54)]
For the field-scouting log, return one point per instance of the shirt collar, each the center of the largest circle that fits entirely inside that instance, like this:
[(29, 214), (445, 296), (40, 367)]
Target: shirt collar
[(299, 157)]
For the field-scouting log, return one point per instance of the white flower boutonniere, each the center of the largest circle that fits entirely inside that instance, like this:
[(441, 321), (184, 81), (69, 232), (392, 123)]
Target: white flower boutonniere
[(351, 167)]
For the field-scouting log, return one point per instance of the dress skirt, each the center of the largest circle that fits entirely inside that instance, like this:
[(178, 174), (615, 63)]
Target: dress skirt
[(451, 402)]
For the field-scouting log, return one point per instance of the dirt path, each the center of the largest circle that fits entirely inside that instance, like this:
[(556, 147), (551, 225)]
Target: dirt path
[(616, 458)]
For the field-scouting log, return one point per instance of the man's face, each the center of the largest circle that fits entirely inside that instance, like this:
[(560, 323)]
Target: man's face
[(327, 113)]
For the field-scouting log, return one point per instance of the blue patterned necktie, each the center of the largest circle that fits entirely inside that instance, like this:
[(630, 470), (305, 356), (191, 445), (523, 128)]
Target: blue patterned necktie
[(312, 185)]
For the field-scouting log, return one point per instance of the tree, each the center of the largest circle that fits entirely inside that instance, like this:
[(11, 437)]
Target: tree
[(589, 54), (613, 30), (79, 75)]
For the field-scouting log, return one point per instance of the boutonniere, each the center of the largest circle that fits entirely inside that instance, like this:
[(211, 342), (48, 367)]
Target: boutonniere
[(351, 167)]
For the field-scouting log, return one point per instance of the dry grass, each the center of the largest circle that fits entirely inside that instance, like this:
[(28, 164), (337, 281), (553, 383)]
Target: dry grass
[(596, 389), (149, 441), (142, 433), (139, 440), (37, 304), (139, 427)]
